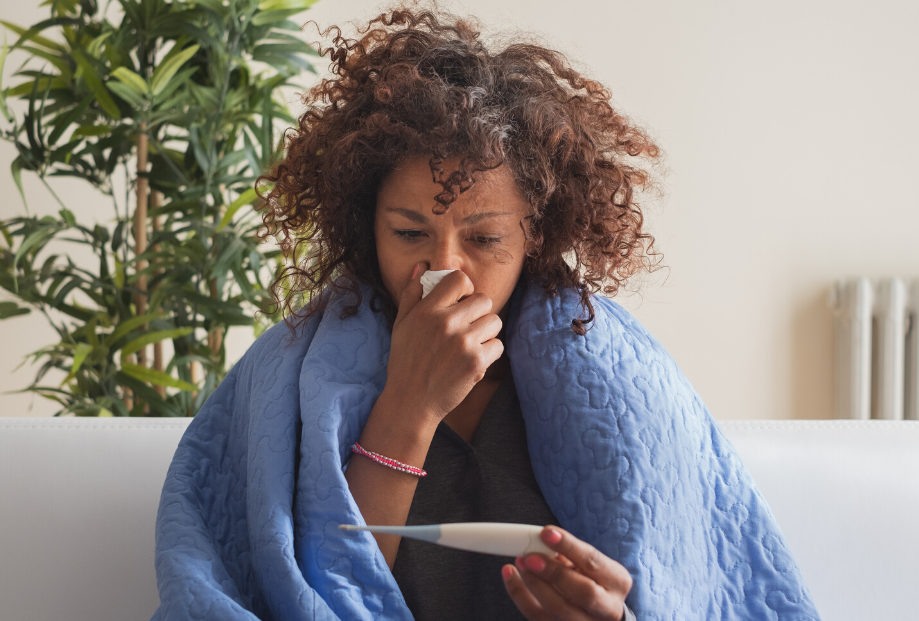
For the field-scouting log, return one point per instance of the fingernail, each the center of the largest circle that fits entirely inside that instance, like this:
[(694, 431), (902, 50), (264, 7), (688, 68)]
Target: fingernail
[(507, 572), (518, 562), (535, 563), (415, 271), (551, 536)]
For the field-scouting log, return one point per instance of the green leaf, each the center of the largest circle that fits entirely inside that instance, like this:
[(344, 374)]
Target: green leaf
[(66, 7), (34, 239), (287, 24), (145, 394), (33, 37), (119, 273), (63, 292), (180, 79), (82, 350), (231, 159), (67, 217), (290, 63), (270, 17), (40, 84), (16, 170), (164, 73), (226, 313), (91, 130), (206, 96), (245, 198), (279, 49), (11, 309), (130, 324), (95, 46), (95, 85), (152, 337), (199, 150), (65, 120), (274, 5), (3, 107), (128, 94), (215, 6), (6, 234), (118, 235), (60, 61), (158, 378), (131, 79)]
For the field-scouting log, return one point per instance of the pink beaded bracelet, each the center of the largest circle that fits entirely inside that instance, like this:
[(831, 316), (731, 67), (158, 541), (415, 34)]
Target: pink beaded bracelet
[(386, 461)]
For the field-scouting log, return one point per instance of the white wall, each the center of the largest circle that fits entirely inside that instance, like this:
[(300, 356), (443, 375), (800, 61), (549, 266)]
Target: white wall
[(792, 136)]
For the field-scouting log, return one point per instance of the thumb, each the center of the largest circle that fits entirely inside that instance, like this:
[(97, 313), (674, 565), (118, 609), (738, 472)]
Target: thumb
[(411, 294)]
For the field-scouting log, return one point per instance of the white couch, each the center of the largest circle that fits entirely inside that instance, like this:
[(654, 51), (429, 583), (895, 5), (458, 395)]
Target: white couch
[(78, 501)]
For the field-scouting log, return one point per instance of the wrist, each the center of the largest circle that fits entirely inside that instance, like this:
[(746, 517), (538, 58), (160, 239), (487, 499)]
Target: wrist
[(399, 429)]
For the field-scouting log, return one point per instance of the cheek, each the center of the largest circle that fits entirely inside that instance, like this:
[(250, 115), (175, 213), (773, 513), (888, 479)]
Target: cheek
[(395, 264), (498, 274), (384, 254)]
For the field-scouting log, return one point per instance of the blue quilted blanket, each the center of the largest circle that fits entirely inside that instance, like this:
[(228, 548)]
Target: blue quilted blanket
[(626, 454)]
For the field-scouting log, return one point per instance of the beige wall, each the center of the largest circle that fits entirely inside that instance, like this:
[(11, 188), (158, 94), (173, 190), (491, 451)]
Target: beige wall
[(792, 135)]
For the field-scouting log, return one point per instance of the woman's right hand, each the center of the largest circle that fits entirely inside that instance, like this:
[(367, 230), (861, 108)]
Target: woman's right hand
[(441, 345)]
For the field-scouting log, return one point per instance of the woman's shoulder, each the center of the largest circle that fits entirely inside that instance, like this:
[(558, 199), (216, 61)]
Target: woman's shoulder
[(542, 317), (284, 342)]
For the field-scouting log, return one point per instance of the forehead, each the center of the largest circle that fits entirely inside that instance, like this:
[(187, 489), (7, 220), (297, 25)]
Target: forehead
[(411, 186)]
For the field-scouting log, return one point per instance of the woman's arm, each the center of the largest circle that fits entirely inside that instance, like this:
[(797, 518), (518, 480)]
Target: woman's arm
[(441, 348), (384, 495)]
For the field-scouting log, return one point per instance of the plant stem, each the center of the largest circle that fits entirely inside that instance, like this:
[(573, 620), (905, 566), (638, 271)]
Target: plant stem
[(140, 229), (140, 236), (155, 200), (215, 336), (56, 197)]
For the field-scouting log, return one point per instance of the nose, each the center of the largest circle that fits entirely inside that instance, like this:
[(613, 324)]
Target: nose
[(445, 255)]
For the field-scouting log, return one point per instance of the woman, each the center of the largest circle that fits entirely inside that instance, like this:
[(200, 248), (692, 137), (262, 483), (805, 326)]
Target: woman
[(447, 355), (510, 393)]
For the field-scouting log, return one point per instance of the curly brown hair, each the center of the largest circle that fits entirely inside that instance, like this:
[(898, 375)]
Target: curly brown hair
[(422, 82)]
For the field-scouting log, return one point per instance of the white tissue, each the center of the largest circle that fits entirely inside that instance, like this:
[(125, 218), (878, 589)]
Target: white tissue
[(430, 279)]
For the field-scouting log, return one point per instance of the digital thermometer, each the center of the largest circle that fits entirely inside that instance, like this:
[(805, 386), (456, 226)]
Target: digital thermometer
[(498, 538)]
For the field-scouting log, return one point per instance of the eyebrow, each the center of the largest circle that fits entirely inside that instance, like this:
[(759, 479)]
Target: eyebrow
[(414, 216)]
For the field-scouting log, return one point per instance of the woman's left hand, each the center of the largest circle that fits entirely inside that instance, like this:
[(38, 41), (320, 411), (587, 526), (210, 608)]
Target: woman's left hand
[(581, 583)]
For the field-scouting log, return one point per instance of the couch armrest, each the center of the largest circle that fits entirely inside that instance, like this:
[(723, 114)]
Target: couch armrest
[(78, 501), (846, 496)]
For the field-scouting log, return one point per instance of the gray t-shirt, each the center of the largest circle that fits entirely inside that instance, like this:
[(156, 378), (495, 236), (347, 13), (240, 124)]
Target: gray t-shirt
[(489, 480)]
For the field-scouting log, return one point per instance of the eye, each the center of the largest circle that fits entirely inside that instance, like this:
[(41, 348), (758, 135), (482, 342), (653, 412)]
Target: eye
[(486, 240), (409, 235)]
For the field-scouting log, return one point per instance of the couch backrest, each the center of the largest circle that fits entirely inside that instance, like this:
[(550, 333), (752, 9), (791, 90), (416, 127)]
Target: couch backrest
[(78, 501)]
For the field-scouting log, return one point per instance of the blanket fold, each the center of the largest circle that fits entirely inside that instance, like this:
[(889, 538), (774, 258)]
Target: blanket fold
[(624, 451)]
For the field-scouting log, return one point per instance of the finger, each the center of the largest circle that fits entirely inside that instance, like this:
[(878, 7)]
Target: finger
[(471, 308), (451, 289), (521, 595), (411, 294), (590, 561), (579, 590), (564, 560), (550, 599), (492, 350), (484, 328)]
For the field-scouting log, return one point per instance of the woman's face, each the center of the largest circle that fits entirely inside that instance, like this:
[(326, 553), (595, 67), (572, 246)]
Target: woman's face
[(479, 234)]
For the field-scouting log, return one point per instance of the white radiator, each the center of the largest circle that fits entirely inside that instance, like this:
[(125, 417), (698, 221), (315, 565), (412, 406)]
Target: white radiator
[(877, 348)]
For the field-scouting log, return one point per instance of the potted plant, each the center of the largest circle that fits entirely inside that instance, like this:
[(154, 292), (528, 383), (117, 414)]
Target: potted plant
[(171, 111)]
